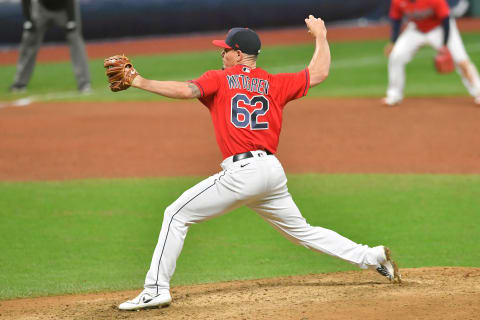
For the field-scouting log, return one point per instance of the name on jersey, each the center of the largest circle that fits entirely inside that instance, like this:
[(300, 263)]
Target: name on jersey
[(241, 81)]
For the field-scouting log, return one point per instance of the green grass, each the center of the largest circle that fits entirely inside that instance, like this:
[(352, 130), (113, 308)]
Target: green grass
[(94, 235), (358, 69)]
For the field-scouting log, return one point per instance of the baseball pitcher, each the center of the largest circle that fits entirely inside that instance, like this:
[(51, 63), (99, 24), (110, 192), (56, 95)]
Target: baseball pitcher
[(429, 23), (246, 105)]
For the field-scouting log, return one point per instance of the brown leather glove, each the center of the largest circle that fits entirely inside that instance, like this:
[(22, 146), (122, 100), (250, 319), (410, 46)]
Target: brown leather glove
[(120, 72), (444, 61)]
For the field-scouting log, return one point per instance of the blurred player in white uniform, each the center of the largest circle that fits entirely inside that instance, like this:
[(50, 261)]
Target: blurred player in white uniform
[(430, 22)]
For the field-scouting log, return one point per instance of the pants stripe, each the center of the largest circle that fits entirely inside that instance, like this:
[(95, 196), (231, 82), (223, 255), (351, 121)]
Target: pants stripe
[(173, 216)]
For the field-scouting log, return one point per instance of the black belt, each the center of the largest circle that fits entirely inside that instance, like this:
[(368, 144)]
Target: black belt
[(246, 155)]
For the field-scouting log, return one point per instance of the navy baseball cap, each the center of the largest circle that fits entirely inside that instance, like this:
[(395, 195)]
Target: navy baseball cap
[(243, 39)]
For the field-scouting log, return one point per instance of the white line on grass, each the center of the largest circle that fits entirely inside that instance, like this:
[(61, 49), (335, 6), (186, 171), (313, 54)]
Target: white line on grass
[(337, 63), (26, 101)]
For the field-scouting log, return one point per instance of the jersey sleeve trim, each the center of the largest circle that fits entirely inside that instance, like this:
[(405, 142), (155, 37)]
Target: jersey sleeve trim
[(307, 82), (199, 86)]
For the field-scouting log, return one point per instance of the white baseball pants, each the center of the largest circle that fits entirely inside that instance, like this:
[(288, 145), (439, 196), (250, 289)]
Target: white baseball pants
[(259, 183), (407, 45)]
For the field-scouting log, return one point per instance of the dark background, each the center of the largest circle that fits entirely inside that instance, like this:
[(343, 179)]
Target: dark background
[(109, 19)]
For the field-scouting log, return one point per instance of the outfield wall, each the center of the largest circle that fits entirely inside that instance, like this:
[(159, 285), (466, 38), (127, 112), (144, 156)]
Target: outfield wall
[(129, 18)]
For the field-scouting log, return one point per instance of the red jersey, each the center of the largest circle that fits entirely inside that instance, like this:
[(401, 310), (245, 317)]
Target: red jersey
[(427, 14), (246, 105)]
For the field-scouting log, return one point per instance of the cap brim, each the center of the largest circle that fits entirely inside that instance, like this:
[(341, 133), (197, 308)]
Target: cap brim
[(221, 44)]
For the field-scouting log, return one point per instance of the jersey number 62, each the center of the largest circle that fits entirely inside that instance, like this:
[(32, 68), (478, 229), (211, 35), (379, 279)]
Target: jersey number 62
[(241, 117)]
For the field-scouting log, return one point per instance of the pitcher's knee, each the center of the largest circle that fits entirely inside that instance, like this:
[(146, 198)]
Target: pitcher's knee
[(169, 212), (396, 59), (173, 214)]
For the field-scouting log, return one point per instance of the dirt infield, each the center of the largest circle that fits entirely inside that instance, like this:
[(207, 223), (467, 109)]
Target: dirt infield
[(71, 141)]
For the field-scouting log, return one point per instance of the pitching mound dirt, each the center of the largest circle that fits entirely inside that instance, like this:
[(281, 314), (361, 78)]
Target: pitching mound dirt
[(426, 293)]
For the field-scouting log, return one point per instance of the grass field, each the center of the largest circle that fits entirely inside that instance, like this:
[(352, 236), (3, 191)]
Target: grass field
[(95, 235), (358, 69)]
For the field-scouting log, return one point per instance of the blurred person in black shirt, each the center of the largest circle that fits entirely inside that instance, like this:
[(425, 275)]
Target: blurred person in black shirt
[(39, 16)]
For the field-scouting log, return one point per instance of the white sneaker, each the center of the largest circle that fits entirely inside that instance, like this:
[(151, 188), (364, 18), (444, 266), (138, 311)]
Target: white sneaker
[(390, 102), (147, 300), (389, 268)]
